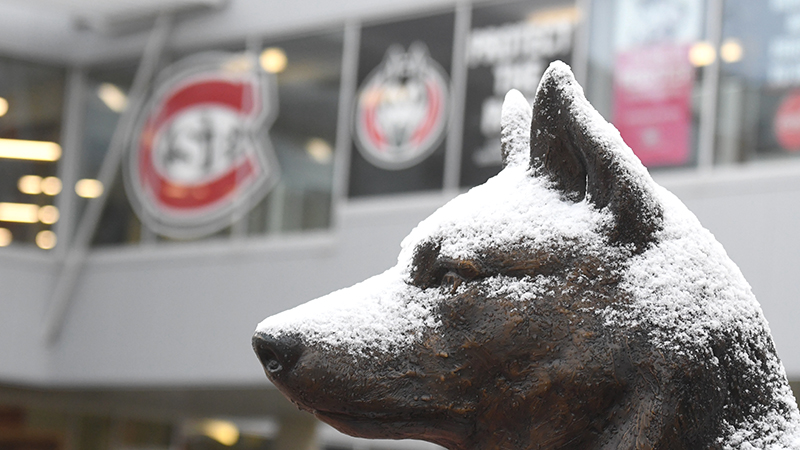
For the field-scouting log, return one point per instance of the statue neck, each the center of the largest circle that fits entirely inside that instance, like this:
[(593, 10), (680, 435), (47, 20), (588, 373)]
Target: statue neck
[(643, 421)]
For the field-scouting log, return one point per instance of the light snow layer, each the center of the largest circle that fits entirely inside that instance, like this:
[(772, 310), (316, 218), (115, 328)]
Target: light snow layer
[(376, 314), (685, 291), (512, 208), (384, 313)]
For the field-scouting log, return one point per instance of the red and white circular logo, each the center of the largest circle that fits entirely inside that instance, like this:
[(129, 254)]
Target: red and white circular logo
[(787, 122), (401, 108), (195, 164)]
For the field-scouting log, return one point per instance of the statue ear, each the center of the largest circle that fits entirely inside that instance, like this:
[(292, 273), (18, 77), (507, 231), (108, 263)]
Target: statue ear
[(515, 129), (585, 158)]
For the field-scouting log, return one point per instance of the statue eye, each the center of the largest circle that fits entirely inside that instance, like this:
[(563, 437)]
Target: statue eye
[(451, 272), (468, 270), (452, 280)]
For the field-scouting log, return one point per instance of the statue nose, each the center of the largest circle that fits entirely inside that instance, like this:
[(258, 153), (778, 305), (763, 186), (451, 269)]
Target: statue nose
[(277, 354)]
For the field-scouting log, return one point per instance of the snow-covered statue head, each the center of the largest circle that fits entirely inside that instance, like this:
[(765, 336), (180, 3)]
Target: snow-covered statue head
[(569, 302)]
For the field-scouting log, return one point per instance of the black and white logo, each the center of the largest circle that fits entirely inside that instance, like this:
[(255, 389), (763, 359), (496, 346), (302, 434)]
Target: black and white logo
[(401, 108)]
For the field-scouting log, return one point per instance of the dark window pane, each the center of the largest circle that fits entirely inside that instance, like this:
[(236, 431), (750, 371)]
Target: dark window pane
[(759, 106), (31, 107), (303, 136), (105, 100), (509, 47)]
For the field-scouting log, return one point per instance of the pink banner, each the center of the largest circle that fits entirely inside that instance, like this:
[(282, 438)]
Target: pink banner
[(787, 122), (653, 102)]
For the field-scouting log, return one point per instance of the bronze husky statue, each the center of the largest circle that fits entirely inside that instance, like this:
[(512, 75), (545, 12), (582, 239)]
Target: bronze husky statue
[(569, 302)]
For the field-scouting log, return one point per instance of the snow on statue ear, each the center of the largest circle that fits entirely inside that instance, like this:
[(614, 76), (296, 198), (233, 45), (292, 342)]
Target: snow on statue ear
[(584, 157), (515, 129)]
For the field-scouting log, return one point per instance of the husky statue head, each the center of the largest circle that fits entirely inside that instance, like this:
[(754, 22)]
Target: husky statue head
[(568, 302)]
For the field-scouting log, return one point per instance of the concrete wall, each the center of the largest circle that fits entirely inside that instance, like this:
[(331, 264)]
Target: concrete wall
[(184, 315), (25, 285)]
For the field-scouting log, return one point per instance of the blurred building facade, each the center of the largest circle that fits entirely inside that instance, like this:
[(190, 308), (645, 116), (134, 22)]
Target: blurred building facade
[(137, 259)]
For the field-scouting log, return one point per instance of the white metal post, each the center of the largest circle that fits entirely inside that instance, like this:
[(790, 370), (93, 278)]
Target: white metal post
[(580, 50), (710, 88), (347, 93), (458, 94), (72, 135)]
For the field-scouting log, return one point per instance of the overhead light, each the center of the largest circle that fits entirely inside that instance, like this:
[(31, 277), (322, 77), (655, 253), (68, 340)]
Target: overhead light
[(113, 97), (89, 188), (319, 150), (34, 185), (19, 212), (5, 237), (30, 184), (731, 50), (51, 186), (48, 214), (273, 60), (46, 239), (222, 431), (702, 54), (3, 106), (32, 150), (569, 14)]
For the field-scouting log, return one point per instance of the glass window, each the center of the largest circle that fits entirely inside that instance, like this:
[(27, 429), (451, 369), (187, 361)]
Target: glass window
[(760, 68), (31, 103), (292, 136), (303, 134), (105, 99), (644, 74), (510, 46)]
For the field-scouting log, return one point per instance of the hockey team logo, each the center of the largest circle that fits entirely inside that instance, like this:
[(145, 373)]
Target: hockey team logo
[(195, 164), (401, 111)]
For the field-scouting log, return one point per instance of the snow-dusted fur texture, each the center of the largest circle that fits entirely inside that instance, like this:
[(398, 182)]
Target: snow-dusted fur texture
[(569, 302)]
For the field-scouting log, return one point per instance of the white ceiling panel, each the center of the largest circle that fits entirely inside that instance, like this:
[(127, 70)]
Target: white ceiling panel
[(114, 16)]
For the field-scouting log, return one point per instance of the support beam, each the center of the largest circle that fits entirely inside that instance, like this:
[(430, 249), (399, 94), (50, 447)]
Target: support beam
[(76, 255)]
